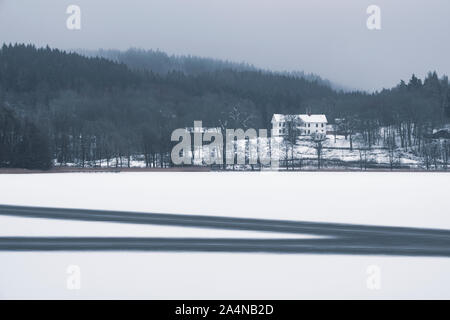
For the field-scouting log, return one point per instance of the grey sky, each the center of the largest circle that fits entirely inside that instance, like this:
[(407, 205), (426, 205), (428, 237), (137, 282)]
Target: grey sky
[(327, 37)]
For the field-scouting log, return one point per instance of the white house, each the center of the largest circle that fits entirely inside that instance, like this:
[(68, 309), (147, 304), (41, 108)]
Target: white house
[(307, 124)]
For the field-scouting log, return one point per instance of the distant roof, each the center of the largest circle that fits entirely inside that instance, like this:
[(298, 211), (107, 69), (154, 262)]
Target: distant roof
[(313, 118), (316, 118)]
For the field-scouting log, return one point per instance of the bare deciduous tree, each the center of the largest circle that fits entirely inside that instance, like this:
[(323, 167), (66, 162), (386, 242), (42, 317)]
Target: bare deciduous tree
[(318, 145), (291, 133)]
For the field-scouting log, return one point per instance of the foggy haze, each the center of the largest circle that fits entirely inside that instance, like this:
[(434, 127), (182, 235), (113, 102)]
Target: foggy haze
[(325, 37)]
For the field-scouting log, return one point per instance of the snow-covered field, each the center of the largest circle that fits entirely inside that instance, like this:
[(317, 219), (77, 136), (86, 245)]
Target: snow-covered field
[(336, 149), (402, 199)]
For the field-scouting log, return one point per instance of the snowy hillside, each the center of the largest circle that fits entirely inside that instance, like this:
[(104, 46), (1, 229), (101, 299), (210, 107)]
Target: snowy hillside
[(337, 152)]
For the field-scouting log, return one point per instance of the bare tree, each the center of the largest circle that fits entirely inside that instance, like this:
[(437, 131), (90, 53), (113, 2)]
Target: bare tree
[(318, 145), (391, 146), (363, 158), (445, 154), (236, 118), (291, 133), (349, 126)]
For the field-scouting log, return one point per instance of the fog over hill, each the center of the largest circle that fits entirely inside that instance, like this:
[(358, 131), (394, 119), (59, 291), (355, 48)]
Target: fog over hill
[(329, 38), (162, 63)]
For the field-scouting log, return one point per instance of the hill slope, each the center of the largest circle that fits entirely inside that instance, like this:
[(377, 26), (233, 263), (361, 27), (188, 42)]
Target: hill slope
[(94, 108)]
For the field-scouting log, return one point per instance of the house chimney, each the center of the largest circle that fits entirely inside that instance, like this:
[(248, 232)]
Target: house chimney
[(309, 111)]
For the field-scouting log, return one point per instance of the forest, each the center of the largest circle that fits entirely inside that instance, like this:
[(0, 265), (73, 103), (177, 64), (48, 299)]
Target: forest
[(59, 107)]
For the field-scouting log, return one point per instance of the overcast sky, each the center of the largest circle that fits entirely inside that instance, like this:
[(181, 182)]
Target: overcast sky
[(326, 37)]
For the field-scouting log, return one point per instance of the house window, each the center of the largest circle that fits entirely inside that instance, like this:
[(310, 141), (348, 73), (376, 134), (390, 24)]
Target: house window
[(279, 131), (309, 131), (309, 125), (322, 125), (317, 125)]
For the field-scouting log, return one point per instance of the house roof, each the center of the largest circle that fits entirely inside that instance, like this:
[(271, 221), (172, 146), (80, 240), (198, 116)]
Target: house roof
[(313, 118), (316, 118)]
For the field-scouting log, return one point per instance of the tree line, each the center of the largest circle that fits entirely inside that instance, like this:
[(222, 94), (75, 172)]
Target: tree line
[(85, 110)]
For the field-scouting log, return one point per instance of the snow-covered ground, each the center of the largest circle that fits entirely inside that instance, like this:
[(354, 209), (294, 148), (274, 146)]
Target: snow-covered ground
[(335, 148), (338, 148), (396, 199)]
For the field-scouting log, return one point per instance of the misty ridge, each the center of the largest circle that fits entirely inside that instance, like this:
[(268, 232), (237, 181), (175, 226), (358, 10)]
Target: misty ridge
[(162, 63), (109, 108)]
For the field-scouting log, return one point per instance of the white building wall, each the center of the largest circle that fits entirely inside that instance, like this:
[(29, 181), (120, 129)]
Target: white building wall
[(306, 127), (314, 127), (278, 128)]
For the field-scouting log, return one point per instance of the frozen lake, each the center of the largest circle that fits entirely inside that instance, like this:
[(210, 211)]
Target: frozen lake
[(393, 199)]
